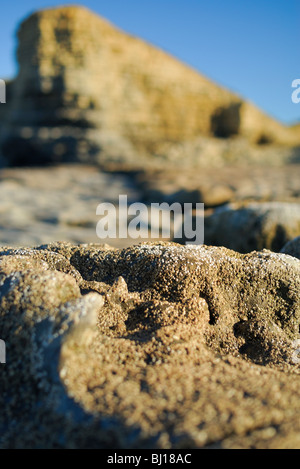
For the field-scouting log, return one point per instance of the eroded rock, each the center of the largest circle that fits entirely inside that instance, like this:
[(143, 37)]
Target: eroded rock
[(108, 96), (158, 345)]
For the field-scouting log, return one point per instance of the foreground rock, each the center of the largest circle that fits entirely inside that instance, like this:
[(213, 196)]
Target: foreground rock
[(158, 345), (108, 96)]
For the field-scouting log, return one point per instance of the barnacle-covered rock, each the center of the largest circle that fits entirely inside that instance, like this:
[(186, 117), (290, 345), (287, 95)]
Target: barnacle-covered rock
[(157, 345)]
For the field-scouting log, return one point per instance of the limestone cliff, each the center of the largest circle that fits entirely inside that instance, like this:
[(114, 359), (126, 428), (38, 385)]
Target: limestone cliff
[(85, 90)]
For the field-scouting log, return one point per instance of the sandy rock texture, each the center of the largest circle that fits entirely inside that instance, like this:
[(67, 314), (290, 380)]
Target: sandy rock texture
[(109, 96), (157, 345)]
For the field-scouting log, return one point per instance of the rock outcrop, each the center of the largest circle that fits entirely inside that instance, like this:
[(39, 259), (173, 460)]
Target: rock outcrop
[(158, 345), (292, 248), (86, 91)]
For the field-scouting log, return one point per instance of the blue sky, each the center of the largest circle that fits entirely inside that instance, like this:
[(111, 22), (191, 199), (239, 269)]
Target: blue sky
[(249, 46)]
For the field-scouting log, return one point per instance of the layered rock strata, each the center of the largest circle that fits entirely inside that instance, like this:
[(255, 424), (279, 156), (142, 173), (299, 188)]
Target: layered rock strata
[(86, 91)]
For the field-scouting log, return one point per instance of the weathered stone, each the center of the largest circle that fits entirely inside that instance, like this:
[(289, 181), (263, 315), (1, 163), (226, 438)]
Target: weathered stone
[(254, 226), (110, 96), (292, 248), (158, 345)]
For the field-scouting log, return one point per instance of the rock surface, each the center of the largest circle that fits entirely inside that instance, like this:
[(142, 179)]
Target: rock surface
[(220, 184), (292, 248), (253, 226), (109, 96), (42, 205), (157, 345)]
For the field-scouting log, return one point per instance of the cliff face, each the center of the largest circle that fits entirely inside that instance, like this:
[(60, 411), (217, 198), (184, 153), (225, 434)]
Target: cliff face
[(84, 88)]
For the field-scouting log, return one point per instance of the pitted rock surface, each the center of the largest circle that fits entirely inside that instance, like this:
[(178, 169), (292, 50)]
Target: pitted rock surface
[(157, 345)]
